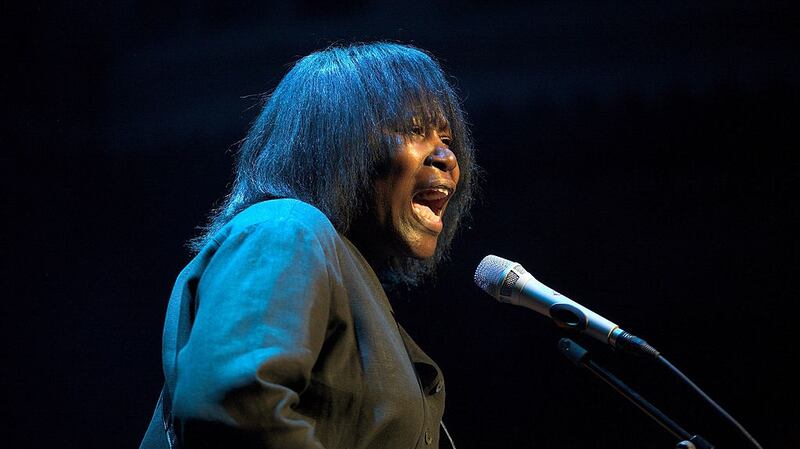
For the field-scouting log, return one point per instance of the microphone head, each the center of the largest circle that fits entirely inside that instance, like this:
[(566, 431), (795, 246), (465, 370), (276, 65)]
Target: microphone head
[(490, 273)]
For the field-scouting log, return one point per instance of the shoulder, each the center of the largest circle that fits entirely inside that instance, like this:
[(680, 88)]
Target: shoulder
[(279, 216)]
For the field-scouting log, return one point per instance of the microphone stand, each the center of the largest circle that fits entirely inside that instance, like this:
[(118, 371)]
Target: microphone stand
[(580, 357)]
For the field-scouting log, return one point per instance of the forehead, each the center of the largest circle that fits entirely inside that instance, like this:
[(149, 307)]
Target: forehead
[(430, 119)]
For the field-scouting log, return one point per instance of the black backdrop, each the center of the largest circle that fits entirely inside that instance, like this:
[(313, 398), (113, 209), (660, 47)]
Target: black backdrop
[(639, 157)]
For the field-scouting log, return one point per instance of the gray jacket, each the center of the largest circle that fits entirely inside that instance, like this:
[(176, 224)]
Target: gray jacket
[(294, 344)]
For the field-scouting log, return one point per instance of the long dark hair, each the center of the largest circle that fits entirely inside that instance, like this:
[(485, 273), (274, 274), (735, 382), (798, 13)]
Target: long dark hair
[(322, 138)]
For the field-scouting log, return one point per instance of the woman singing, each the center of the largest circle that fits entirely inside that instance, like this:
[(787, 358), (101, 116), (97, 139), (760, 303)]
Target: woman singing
[(354, 176)]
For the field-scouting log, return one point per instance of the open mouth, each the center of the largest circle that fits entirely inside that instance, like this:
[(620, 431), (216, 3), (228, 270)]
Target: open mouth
[(429, 204)]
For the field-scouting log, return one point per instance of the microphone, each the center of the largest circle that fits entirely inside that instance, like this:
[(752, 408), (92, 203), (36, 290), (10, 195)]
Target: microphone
[(508, 282)]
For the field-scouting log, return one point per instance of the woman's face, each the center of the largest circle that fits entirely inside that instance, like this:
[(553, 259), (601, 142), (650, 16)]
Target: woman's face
[(412, 197)]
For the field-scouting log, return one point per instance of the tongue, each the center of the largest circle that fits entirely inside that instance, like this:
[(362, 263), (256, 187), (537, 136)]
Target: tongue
[(425, 212)]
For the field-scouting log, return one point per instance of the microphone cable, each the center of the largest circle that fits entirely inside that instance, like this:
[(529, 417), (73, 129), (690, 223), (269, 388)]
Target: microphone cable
[(710, 401)]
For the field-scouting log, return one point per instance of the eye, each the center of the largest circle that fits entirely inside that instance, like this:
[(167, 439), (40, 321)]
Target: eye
[(446, 139), (417, 130)]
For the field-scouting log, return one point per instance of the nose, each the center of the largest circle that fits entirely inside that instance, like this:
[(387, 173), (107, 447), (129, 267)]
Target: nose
[(442, 158)]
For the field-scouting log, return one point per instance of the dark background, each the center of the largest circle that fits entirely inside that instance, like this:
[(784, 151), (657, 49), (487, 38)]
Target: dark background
[(641, 158)]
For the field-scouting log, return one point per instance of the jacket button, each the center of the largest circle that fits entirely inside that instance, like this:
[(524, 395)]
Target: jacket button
[(428, 438)]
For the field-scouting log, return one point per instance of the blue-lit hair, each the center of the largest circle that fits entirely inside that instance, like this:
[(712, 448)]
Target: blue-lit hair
[(322, 138)]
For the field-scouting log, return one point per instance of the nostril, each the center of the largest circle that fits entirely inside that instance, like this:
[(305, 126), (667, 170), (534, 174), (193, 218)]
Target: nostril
[(442, 158)]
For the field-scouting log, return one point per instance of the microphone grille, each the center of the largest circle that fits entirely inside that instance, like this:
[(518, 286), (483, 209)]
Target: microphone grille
[(487, 275)]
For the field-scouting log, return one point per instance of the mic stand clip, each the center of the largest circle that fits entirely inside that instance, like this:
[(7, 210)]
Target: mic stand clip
[(580, 357)]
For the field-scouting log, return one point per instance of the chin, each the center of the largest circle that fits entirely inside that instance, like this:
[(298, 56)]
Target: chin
[(414, 241), (422, 256), (423, 249)]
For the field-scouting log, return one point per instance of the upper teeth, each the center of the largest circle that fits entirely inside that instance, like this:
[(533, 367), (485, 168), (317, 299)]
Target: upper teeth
[(435, 193)]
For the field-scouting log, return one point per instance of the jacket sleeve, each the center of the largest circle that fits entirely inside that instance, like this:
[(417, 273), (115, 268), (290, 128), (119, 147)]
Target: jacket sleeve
[(262, 310)]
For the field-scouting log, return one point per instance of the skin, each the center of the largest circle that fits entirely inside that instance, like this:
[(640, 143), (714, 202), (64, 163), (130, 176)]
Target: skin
[(422, 164)]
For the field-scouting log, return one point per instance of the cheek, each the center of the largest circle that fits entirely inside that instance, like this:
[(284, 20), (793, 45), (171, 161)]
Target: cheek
[(402, 180), (381, 191)]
